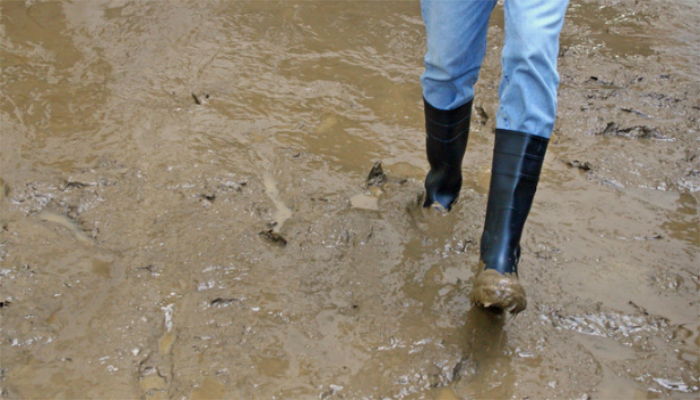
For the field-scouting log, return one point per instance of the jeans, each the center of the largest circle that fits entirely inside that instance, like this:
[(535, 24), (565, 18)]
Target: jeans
[(456, 32)]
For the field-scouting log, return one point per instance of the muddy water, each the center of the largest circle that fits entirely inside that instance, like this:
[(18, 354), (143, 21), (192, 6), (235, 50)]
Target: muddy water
[(146, 146)]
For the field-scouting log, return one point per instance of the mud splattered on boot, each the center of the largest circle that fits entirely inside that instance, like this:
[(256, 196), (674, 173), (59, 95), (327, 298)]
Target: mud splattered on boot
[(495, 290)]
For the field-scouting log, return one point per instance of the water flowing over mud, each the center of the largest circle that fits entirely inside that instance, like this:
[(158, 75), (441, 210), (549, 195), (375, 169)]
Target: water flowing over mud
[(185, 212)]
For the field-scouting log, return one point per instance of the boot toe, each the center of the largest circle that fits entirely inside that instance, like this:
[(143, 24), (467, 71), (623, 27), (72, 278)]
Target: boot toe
[(495, 290)]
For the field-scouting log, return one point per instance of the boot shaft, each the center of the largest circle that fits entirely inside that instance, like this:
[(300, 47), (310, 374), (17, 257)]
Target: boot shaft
[(447, 133), (515, 172)]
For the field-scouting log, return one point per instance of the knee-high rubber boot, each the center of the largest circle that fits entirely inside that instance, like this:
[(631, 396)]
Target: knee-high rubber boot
[(517, 162), (447, 132)]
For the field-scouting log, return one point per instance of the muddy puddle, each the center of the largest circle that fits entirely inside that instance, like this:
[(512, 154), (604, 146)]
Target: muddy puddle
[(185, 212)]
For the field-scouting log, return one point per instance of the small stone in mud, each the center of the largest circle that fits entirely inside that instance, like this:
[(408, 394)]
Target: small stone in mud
[(583, 166), (4, 304), (376, 176), (274, 237)]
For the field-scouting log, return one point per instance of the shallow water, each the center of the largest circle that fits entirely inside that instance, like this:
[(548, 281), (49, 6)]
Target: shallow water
[(147, 145)]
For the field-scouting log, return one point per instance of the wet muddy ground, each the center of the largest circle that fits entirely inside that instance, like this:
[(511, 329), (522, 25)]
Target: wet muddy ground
[(185, 213)]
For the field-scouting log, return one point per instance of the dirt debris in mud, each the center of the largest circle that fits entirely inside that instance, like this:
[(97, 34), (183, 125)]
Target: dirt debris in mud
[(145, 145)]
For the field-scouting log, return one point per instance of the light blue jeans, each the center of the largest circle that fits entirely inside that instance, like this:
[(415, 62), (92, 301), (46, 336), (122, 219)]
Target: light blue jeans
[(456, 32)]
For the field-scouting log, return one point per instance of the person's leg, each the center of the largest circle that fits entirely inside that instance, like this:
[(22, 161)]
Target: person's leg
[(528, 98), (456, 38), (528, 91)]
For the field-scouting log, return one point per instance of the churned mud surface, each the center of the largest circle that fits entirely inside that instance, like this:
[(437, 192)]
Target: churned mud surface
[(186, 211)]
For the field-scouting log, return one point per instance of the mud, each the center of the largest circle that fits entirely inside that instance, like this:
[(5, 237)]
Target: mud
[(498, 292), (146, 145)]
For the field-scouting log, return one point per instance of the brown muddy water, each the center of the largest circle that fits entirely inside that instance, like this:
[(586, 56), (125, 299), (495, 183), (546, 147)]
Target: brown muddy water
[(146, 145)]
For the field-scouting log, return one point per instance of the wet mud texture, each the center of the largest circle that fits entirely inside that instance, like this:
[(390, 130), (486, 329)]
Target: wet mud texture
[(185, 210)]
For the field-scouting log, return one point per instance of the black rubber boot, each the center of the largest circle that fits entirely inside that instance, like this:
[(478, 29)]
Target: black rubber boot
[(447, 132), (517, 163)]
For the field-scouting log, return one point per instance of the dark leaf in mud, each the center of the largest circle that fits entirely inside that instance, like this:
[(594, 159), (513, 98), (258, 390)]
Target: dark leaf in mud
[(610, 129), (690, 156), (642, 132), (633, 111), (75, 184), (655, 236), (150, 268), (463, 368), (467, 243), (222, 302), (639, 308), (274, 237), (376, 176), (209, 197), (583, 166), (196, 99), (600, 81), (632, 132)]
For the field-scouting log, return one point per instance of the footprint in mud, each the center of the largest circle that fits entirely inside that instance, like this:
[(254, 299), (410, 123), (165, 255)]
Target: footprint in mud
[(431, 222), (282, 212), (209, 389), (364, 202), (153, 378), (153, 383), (446, 393), (415, 211), (484, 368)]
